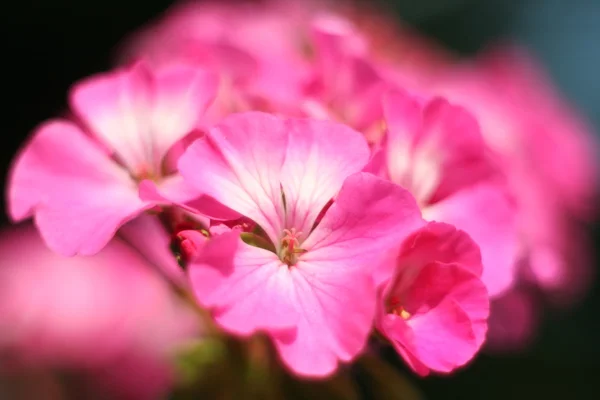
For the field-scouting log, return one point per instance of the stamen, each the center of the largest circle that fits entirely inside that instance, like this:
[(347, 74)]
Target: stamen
[(291, 239), (290, 246), (395, 307)]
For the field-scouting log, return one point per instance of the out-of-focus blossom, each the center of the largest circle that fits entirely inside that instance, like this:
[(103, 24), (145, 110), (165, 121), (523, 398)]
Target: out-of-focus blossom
[(434, 308), (514, 317), (547, 153), (344, 85), (298, 285), (435, 150), (81, 183), (107, 316), (261, 62)]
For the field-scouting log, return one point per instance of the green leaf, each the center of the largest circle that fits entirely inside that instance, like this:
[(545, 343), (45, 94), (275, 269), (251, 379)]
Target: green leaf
[(257, 241)]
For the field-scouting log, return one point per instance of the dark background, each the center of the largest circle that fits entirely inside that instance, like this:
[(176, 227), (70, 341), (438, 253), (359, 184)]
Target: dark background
[(48, 44)]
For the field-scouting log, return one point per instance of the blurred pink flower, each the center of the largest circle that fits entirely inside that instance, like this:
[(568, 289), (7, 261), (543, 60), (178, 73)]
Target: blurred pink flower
[(344, 85), (281, 173), (434, 308), (107, 316), (547, 153), (514, 318), (436, 151), (261, 62), (81, 192)]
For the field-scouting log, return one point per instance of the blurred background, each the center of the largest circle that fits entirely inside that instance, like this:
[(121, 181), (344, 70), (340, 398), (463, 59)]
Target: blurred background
[(47, 45)]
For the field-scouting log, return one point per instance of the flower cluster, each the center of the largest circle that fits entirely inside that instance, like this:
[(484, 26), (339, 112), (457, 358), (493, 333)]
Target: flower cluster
[(305, 186)]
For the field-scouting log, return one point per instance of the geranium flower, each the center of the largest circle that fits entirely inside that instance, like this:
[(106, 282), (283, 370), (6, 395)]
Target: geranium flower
[(435, 150), (80, 181), (309, 284), (434, 309)]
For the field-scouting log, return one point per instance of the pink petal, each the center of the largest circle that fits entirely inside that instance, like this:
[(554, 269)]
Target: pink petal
[(182, 94), (175, 191), (150, 238), (448, 307), (117, 107), (89, 314), (140, 114), (368, 220), (249, 288), (404, 118), (433, 149), (442, 339), (333, 325), (239, 164), (442, 242), (485, 213), (79, 196), (320, 155)]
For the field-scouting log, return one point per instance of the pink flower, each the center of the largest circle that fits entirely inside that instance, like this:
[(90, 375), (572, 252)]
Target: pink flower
[(81, 182), (345, 85), (434, 309), (547, 152), (105, 315), (435, 150), (260, 61), (514, 319), (303, 284)]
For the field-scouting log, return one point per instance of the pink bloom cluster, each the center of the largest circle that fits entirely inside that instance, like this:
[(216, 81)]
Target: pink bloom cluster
[(313, 190), (106, 317)]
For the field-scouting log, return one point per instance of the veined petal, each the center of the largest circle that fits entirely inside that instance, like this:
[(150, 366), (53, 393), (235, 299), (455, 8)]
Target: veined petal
[(333, 325), (239, 164), (433, 149), (140, 113), (181, 95), (248, 288), (174, 190), (369, 218), (117, 107), (320, 156), (79, 196)]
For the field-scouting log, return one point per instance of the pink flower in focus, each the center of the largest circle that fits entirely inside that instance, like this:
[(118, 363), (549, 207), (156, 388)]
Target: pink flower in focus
[(105, 315), (81, 182), (435, 150), (310, 287), (434, 309)]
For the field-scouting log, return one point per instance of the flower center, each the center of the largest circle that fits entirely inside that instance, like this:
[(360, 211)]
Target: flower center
[(290, 247), (395, 307)]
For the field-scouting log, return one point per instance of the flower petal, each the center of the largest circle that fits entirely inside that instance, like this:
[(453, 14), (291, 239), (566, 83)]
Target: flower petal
[(448, 308), (433, 149), (486, 214), (320, 156), (141, 113), (333, 324), (176, 191), (79, 196), (442, 242), (182, 94), (117, 106), (239, 164), (248, 288), (366, 222), (150, 238)]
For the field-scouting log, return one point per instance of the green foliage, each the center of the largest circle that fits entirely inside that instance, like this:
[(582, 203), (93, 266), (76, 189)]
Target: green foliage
[(220, 367)]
